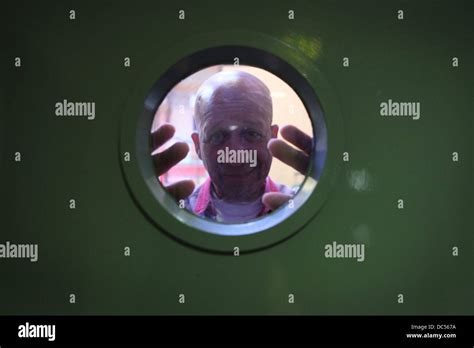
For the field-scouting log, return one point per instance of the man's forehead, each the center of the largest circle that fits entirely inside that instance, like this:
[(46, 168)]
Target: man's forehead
[(232, 124)]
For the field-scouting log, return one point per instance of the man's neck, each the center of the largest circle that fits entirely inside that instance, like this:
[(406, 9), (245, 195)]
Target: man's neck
[(241, 197)]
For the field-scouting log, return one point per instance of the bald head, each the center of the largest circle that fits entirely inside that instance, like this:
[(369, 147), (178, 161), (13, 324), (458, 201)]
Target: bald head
[(233, 90)]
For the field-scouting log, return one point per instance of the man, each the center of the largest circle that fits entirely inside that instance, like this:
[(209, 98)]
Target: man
[(233, 114)]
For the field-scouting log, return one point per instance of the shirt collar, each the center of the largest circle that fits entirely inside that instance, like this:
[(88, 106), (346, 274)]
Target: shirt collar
[(204, 197)]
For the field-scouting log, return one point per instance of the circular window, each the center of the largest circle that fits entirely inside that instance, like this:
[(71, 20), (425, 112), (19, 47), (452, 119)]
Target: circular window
[(231, 144), (223, 148)]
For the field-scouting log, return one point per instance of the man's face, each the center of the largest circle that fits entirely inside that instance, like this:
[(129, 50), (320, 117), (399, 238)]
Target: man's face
[(233, 122)]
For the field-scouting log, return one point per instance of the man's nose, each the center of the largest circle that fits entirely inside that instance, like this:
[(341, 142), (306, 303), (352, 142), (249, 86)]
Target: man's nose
[(235, 142)]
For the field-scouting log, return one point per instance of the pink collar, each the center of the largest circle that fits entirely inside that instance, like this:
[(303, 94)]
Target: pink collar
[(204, 198)]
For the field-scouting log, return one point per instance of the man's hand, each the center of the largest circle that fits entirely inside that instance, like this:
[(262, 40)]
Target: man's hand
[(167, 159), (296, 159)]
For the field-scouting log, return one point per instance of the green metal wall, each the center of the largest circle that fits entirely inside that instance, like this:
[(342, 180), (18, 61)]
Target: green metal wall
[(408, 251)]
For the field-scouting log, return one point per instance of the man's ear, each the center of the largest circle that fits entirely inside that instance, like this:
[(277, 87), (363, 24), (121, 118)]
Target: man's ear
[(195, 137), (274, 131)]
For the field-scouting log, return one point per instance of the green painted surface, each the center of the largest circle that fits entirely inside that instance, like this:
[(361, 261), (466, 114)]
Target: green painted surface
[(408, 251)]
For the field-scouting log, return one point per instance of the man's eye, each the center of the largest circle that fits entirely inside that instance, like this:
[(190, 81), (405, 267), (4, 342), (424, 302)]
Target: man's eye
[(217, 138), (251, 135)]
